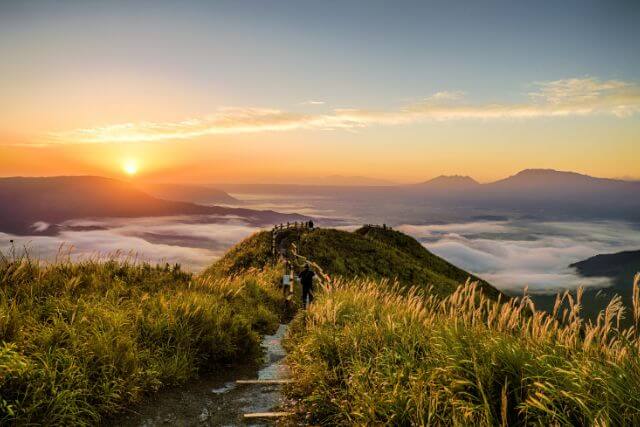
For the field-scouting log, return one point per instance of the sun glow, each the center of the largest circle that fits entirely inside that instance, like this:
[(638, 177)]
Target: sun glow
[(130, 167)]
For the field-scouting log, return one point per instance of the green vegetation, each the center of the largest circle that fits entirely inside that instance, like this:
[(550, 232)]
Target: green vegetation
[(369, 355), (253, 252), (370, 252), (410, 247), (81, 340)]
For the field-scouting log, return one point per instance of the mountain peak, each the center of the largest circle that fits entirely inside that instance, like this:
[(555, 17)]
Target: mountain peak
[(548, 172), (450, 182), (547, 177), (554, 181)]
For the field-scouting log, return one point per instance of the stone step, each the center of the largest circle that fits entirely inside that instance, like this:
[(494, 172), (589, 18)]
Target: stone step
[(283, 381)]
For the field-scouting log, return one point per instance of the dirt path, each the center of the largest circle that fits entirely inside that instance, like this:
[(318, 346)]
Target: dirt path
[(216, 400)]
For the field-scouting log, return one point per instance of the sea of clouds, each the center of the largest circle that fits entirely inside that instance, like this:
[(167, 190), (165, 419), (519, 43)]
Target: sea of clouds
[(513, 255), (189, 241)]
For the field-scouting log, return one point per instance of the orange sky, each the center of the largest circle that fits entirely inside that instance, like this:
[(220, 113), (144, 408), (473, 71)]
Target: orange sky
[(486, 151)]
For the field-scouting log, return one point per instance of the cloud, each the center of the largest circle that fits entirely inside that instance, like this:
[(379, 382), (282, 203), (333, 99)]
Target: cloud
[(312, 102), (455, 95), (40, 226), (560, 98), (515, 254), (182, 240), (589, 94)]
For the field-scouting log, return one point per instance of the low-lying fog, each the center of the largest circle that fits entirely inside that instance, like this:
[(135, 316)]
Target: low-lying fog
[(510, 253), (516, 254)]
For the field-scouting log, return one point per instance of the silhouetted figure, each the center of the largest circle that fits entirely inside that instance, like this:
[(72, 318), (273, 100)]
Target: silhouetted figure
[(310, 224), (306, 280)]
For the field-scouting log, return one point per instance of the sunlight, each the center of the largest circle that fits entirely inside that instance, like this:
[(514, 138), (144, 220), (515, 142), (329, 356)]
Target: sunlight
[(130, 167)]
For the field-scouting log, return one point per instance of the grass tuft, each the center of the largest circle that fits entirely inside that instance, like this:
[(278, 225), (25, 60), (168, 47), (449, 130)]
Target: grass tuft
[(368, 354)]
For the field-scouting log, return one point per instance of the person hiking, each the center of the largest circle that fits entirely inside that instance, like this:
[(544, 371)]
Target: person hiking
[(287, 281), (306, 280)]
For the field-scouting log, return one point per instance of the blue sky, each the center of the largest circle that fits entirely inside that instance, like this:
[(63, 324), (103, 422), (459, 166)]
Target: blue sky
[(351, 51)]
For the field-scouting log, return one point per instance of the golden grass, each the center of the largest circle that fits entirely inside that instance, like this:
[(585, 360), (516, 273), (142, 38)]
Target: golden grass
[(368, 354), (85, 339)]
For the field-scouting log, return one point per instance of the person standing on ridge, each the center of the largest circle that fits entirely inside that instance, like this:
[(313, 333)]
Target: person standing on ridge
[(306, 280)]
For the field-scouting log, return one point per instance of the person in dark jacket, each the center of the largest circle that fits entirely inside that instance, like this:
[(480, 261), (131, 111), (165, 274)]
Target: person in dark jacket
[(306, 280)]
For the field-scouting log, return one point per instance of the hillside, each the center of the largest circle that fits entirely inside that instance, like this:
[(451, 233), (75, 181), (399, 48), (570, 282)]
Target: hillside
[(620, 265), (370, 252), (620, 268), (188, 193), (52, 200)]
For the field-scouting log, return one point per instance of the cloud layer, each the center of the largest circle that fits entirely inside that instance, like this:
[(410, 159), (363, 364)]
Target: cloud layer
[(166, 239), (510, 254), (514, 255), (560, 98)]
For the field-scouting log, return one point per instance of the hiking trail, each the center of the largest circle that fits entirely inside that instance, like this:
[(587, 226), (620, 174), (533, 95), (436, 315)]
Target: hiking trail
[(218, 399), (238, 396)]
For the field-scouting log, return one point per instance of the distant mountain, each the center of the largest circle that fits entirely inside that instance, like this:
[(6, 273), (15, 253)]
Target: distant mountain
[(620, 266), (450, 182), (553, 180), (550, 193), (39, 205), (535, 193), (187, 193)]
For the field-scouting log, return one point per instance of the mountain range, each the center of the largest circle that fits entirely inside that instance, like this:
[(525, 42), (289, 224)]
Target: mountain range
[(535, 193), (41, 205), (541, 194), (533, 180), (188, 193)]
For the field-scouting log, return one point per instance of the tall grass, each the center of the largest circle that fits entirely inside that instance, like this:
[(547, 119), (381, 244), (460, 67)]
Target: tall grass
[(366, 354), (80, 340)]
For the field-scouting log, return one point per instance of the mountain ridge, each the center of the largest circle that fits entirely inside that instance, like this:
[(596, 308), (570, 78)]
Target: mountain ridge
[(370, 251), (198, 194), (25, 201), (610, 265)]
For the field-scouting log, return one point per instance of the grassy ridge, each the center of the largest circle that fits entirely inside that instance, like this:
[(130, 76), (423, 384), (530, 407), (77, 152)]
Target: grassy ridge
[(369, 252), (416, 251), (365, 354), (80, 340), (252, 252)]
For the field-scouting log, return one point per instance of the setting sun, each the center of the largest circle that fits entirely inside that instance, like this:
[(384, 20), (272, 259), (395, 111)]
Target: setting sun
[(130, 167)]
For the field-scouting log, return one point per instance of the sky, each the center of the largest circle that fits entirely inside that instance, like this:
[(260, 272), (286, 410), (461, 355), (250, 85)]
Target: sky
[(289, 91)]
